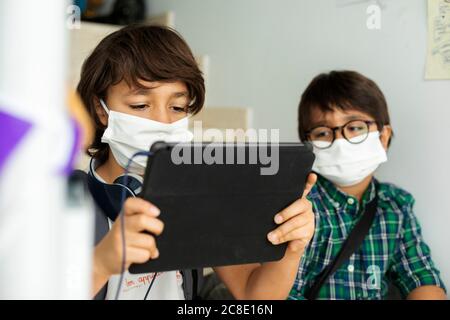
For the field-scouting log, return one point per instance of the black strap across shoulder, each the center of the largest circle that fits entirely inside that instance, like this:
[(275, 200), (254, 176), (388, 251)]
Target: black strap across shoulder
[(351, 245)]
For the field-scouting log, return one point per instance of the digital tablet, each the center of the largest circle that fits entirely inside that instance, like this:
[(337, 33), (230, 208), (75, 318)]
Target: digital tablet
[(218, 201)]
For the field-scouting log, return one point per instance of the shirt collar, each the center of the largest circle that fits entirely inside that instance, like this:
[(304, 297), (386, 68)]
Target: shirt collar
[(340, 199), (93, 169)]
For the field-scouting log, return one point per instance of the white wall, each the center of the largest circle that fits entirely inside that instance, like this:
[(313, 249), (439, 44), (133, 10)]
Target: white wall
[(263, 53)]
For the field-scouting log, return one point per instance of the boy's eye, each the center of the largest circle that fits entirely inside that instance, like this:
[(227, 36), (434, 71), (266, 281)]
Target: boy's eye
[(320, 133), (138, 106), (179, 109), (356, 128)]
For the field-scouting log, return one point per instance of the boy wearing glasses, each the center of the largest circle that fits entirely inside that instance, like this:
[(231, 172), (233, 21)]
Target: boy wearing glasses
[(344, 116)]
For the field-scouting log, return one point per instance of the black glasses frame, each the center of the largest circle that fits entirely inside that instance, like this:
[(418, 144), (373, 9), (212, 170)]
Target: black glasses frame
[(341, 129)]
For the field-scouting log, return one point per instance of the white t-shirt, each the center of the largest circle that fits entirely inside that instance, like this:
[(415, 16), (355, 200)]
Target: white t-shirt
[(167, 285)]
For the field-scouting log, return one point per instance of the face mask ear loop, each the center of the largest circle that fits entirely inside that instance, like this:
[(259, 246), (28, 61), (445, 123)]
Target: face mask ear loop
[(104, 106), (189, 114), (192, 102)]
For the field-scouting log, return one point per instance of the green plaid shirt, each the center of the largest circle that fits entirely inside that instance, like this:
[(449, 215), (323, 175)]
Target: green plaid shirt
[(392, 252)]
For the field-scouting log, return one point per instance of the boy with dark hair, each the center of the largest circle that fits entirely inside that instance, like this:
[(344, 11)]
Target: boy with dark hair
[(139, 86), (344, 116)]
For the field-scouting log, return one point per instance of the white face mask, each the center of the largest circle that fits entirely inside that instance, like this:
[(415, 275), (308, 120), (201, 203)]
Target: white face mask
[(127, 134), (346, 164)]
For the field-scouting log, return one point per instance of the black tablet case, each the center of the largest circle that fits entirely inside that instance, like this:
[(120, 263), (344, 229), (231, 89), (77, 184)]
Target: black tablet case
[(217, 215)]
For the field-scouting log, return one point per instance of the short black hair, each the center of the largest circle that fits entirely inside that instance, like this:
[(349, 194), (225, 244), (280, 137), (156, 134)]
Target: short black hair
[(344, 90)]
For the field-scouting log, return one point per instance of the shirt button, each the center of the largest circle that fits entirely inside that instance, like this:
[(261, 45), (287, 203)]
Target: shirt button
[(350, 201), (350, 268)]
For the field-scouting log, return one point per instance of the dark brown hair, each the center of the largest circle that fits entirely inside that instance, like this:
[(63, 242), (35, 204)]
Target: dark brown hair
[(344, 90), (133, 53)]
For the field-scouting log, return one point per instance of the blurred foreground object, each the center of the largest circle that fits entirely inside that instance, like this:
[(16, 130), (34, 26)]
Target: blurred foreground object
[(39, 142), (120, 12)]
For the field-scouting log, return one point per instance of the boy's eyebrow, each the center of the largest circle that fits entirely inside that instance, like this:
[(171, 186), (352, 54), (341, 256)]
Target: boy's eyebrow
[(146, 91), (319, 124), (354, 117), (180, 94), (346, 119), (138, 92)]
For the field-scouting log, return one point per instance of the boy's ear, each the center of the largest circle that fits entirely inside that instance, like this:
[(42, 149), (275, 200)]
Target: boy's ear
[(385, 136), (101, 113)]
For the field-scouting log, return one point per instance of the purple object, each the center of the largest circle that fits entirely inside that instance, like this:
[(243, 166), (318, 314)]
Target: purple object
[(67, 170), (12, 131)]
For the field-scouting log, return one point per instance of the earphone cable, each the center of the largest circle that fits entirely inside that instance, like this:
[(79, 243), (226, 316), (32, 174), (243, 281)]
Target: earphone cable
[(122, 219), (151, 285)]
